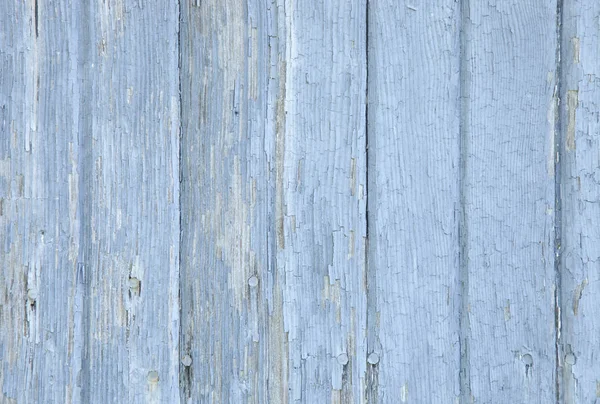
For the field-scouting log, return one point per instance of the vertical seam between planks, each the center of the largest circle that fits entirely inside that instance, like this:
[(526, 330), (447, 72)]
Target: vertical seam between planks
[(36, 18), (463, 275), (366, 145), (367, 123), (83, 275), (558, 199), (371, 280), (180, 173)]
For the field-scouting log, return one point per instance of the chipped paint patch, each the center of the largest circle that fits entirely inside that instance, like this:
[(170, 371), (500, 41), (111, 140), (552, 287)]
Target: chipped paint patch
[(352, 176), (279, 156), (575, 43), (507, 314), (230, 226), (404, 393), (253, 64), (129, 95), (551, 118), (577, 295), (331, 292), (572, 102)]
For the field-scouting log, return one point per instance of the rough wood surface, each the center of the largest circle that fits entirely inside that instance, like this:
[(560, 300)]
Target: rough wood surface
[(276, 201), (129, 139), (273, 170), (90, 208), (580, 241), (39, 217), (510, 73), (227, 167), (413, 194), (320, 197)]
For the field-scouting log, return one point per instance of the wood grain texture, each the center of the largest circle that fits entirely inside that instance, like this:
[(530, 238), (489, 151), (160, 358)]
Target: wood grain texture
[(580, 247), (276, 201), (508, 131), (39, 218), (129, 131), (413, 127)]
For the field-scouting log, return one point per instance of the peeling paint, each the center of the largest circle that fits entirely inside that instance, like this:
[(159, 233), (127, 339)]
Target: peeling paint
[(575, 43), (572, 103), (577, 295), (404, 393), (279, 156)]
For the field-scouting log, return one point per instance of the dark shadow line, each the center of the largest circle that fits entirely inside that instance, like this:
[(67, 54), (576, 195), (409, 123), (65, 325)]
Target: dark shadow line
[(372, 374), (558, 91), (463, 272)]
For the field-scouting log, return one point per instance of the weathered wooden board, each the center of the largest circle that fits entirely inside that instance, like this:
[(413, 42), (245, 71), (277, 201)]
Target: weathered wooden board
[(580, 164), (229, 84), (321, 200), (129, 135), (273, 170), (509, 68), (90, 209), (40, 221), (413, 201)]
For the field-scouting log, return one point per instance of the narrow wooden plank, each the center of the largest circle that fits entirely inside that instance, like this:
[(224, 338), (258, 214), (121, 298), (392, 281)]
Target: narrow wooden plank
[(510, 75), (580, 244), (130, 136), (320, 204), (39, 204), (414, 200), (230, 84)]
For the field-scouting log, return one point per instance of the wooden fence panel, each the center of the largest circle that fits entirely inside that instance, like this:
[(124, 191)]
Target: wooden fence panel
[(413, 199), (299, 201), (509, 64), (580, 239)]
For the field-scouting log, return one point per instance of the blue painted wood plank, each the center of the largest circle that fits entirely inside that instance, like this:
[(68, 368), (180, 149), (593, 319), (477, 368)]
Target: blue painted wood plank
[(129, 134), (580, 241), (229, 83), (321, 199), (509, 190), (39, 209), (413, 199)]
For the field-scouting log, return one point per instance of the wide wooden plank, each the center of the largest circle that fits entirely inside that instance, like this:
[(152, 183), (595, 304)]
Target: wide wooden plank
[(273, 303), (40, 217), (229, 82), (320, 203), (413, 129), (129, 131), (509, 68), (580, 239)]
